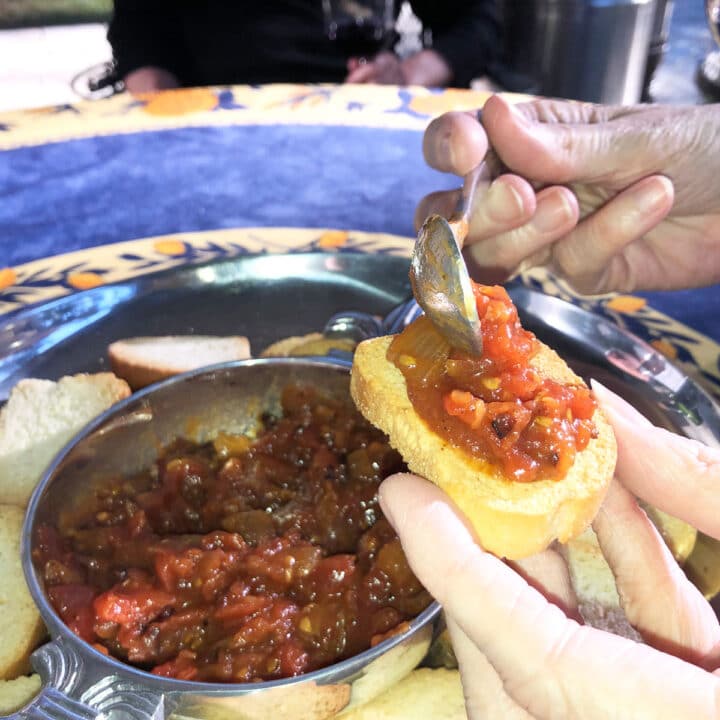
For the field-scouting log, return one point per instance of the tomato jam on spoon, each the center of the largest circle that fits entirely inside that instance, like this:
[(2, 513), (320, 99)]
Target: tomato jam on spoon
[(496, 407)]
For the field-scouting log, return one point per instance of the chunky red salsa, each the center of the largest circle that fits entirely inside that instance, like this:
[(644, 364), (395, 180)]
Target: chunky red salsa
[(497, 407), (240, 560)]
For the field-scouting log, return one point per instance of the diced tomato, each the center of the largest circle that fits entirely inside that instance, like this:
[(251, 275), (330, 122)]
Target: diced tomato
[(496, 406), (293, 659), (182, 667), (466, 407), (241, 608), (137, 606), (74, 605)]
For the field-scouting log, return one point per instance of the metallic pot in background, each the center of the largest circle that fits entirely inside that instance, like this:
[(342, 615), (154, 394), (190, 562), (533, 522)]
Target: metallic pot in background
[(593, 50), (658, 42)]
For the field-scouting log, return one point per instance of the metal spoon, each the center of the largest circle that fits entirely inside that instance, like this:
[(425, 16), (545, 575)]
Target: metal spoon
[(439, 277)]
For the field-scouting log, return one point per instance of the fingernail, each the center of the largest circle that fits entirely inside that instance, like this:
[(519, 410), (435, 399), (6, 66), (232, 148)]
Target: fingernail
[(384, 505), (551, 213), (617, 405), (504, 202), (652, 195)]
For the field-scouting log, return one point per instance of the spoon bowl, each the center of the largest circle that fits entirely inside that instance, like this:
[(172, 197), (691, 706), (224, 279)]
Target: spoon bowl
[(439, 277), (441, 286)]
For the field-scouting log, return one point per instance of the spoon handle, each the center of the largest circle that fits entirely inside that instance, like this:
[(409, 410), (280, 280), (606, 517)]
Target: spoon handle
[(460, 220)]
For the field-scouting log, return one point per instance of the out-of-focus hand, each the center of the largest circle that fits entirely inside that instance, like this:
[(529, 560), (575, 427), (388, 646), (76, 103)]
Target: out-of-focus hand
[(384, 69), (149, 79), (523, 655), (426, 67), (644, 177)]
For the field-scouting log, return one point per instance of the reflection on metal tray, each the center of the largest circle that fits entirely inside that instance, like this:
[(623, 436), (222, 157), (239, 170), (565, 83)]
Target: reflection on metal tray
[(268, 297)]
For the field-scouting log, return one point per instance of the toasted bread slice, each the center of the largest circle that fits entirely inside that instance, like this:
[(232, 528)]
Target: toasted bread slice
[(145, 360), (39, 418), (16, 693), (510, 519), (21, 628), (594, 584), (679, 536), (311, 344), (422, 694)]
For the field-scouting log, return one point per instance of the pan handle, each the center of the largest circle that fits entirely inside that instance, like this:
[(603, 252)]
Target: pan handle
[(71, 691), (62, 671), (361, 326)]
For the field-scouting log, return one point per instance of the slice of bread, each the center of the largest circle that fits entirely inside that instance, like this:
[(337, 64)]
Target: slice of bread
[(311, 344), (679, 536), (21, 628), (424, 694), (145, 360), (594, 584), (510, 519), (39, 417), (16, 693)]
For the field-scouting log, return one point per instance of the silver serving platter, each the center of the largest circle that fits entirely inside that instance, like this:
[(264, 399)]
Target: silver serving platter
[(269, 297)]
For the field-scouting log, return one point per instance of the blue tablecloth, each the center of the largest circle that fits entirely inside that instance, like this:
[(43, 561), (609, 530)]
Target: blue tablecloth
[(79, 177)]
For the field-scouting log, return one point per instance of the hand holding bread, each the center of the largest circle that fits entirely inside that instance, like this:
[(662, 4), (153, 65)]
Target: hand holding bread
[(522, 627)]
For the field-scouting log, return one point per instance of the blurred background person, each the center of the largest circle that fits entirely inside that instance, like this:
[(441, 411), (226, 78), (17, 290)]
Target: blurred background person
[(160, 44)]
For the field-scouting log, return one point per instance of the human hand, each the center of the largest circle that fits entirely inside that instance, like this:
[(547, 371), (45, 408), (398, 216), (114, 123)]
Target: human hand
[(524, 656), (149, 79), (426, 67), (384, 69), (622, 164)]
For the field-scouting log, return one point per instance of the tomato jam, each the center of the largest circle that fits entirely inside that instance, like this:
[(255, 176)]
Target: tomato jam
[(496, 407), (240, 560)]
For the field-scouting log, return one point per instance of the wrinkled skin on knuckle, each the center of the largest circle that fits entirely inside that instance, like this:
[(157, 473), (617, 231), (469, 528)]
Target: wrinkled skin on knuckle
[(694, 177), (570, 261), (676, 143), (564, 112), (620, 275)]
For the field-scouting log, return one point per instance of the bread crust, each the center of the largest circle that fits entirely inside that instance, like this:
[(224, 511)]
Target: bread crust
[(18, 692), (510, 519), (142, 361), (39, 417), (21, 627)]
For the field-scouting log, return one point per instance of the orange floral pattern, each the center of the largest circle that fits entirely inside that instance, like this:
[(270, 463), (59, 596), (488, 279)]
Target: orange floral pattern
[(84, 280), (666, 348), (626, 304), (333, 239), (8, 277), (49, 278), (181, 101), (169, 247)]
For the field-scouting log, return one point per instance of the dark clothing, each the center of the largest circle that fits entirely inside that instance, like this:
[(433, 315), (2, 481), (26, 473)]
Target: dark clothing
[(218, 42)]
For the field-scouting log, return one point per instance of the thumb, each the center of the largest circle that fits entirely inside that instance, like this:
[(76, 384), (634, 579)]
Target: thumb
[(554, 141)]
